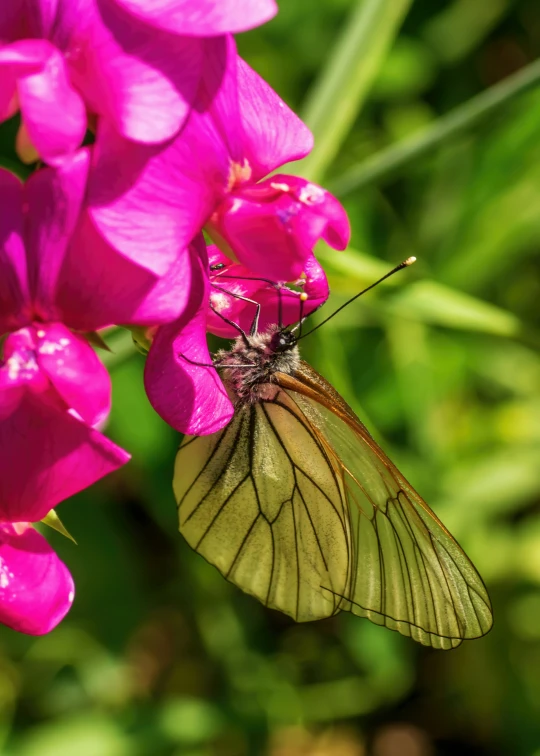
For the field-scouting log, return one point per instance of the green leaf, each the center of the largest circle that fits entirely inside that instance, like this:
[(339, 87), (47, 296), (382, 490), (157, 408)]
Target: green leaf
[(461, 26), (385, 164), (409, 69), (54, 522), (142, 338), (97, 340), (432, 302), (359, 268)]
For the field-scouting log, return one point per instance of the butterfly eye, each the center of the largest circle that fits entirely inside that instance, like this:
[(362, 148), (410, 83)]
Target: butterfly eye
[(283, 341)]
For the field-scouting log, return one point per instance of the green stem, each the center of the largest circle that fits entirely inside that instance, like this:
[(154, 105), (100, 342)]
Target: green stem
[(388, 162), (120, 342), (338, 95)]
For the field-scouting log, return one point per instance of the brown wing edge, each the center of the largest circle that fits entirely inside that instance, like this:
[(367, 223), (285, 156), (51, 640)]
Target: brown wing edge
[(311, 384)]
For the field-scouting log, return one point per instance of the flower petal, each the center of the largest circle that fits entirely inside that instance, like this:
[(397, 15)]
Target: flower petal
[(47, 455), (322, 217), (54, 199), (279, 304), (14, 296), (36, 588), (258, 235), (140, 78), (162, 197), (19, 370), (191, 398), (99, 287), (313, 286), (202, 17), (9, 100), (271, 227), (11, 20), (218, 97), (79, 279), (75, 371), (230, 285), (45, 90), (273, 134)]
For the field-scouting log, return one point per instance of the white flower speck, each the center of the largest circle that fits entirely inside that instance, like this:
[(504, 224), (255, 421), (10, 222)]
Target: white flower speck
[(311, 194), (280, 187), (51, 347), (16, 365), (219, 301)]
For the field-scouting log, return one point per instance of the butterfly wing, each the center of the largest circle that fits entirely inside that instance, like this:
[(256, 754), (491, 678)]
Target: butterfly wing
[(295, 503), (407, 573), (261, 501)]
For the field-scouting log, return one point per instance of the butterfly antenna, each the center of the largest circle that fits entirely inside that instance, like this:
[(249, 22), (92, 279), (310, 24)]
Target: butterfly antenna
[(404, 264), (303, 297), (280, 308)]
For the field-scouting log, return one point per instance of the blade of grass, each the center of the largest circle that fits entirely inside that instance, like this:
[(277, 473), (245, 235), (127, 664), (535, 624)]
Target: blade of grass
[(437, 304), (337, 96), (387, 163), (358, 268)]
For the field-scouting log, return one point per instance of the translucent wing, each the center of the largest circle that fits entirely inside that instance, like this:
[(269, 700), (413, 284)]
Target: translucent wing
[(295, 503), (408, 573), (261, 501)]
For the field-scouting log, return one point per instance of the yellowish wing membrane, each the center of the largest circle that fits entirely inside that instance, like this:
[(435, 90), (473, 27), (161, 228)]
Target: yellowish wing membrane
[(297, 505), (260, 501), (408, 573)]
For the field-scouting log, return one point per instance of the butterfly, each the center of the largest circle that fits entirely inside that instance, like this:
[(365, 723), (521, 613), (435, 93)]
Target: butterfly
[(295, 503)]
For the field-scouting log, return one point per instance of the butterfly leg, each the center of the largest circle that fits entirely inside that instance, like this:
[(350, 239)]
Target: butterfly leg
[(232, 324), (275, 284), (215, 364), (193, 362), (255, 323)]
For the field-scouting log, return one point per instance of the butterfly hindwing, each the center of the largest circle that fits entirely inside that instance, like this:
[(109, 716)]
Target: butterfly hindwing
[(408, 572)]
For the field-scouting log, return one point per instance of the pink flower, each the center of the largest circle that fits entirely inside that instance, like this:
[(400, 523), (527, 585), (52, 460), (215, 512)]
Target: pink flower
[(212, 173), (62, 268), (202, 18), (273, 225), (186, 396), (134, 62), (58, 276), (181, 382), (53, 388), (36, 589), (229, 281)]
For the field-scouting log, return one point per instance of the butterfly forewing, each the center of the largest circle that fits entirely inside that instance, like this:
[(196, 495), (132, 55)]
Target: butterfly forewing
[(262, 502)]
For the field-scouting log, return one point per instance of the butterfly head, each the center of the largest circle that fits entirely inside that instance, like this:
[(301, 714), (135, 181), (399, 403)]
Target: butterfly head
[(282, 341), (247, 369)]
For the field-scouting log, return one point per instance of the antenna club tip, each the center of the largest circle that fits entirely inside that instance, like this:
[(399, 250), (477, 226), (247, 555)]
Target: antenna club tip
[(409, 261)]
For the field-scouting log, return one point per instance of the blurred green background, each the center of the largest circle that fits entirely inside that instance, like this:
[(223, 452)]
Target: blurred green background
[(160, 655)]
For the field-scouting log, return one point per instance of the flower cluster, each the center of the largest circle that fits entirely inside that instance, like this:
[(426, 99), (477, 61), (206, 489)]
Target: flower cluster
[(144, 127)]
